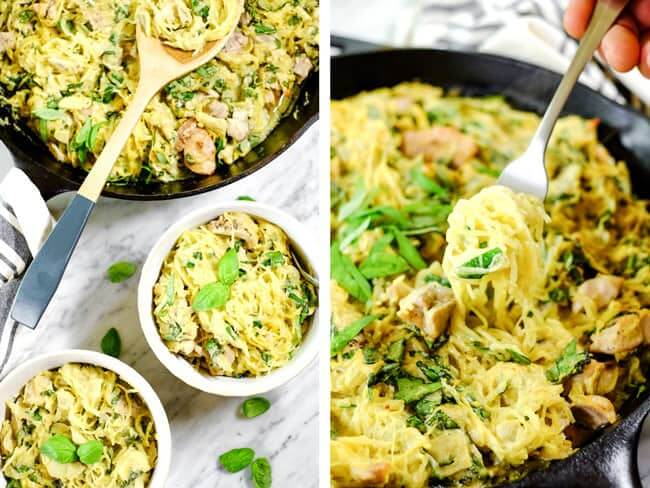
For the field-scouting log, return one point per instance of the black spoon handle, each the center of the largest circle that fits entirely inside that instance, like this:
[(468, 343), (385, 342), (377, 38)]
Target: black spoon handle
[(46, 270)]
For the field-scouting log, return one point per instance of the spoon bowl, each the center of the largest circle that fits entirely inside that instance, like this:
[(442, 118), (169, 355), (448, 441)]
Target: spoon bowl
[(159, 65)]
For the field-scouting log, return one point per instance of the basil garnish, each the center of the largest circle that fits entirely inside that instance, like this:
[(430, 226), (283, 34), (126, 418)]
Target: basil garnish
[(341, 337), (212, 295), (48, 113), (90, 452), (254, 407), (111, 343), (59, 448), (237, 459), (120, 271), (481, 265), (228, 267), (261, 471)]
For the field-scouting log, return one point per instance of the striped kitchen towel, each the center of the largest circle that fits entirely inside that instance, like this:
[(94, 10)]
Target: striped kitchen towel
[(529, 30), (25, 223)]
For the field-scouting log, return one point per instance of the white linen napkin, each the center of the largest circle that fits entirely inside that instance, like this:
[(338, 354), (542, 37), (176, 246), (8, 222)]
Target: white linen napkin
[(25, 223)]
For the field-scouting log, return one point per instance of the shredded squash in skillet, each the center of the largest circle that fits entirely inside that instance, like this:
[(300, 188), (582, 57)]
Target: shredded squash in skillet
[(82, 403), (263, 320), (68, 68), (476, 335), (188, 25)]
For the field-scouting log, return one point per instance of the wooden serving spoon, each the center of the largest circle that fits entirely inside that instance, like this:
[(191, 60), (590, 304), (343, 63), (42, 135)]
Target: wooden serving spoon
[(159, 65)]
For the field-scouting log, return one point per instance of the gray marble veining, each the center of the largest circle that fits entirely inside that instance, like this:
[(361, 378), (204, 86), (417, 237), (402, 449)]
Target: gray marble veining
[(203, 426)]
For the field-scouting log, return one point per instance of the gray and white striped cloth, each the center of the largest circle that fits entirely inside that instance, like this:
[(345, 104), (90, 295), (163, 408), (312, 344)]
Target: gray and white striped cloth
[(475, 24), (528, 30), (25, 222)]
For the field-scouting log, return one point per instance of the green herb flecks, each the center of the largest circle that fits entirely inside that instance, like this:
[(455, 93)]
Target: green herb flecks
[(568, 363)]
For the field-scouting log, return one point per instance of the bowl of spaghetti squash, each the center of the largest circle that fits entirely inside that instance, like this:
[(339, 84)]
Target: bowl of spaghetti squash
[(222, 301), (80, 418)]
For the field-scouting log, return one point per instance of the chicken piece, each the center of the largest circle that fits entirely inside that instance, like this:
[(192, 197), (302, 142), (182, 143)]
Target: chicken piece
[(373, 474), (593, 411), (597, 378), (429, 308), (622, 336), (402, 104), (398, 289), (439, 143), (47, 10), (239, 225), (238, 125), (602, 289), (644, 323), (7, 41), (302, 66), (218, 109), (198, 148), (235, 42)]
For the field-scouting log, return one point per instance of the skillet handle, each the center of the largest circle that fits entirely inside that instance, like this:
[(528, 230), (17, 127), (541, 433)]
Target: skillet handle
[(347, 45), (610, 461)]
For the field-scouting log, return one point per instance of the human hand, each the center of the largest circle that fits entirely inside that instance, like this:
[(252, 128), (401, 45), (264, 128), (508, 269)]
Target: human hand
[(627, 44)]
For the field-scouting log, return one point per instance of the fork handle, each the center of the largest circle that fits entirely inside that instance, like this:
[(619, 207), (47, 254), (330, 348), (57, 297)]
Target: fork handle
[(604, 15)]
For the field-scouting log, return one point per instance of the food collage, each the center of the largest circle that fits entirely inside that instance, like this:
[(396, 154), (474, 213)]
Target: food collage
[(324, 244)]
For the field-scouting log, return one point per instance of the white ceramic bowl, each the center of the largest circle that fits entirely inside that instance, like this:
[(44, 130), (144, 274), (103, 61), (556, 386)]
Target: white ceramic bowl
[(16, 379), (301, 242)]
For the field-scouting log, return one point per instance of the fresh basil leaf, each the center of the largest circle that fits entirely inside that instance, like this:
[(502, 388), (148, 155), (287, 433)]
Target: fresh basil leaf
[(414, 389), (342, 337), (481, 265), (517, 357), (346, 274), (273, 258), (427, 184), (381, 264), (408, 251), (354, 232), (569, 362), (434, 372), (212, 295), (213, 349), (60, 448), (245, 198), (111, 343), (48, 113), (442, 421), (437, 279), (395, 351), (90, 452), (261, 473), (228, 267), (120, 271), (254, 407), (237, 459), (355, 203), (264, 29), (381, 215)]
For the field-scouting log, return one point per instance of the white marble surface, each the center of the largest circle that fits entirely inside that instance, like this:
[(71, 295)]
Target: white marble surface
[(203, 426)]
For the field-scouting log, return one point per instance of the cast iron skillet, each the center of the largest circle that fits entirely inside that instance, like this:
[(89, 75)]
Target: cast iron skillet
[(609, 460), (52, 177)]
